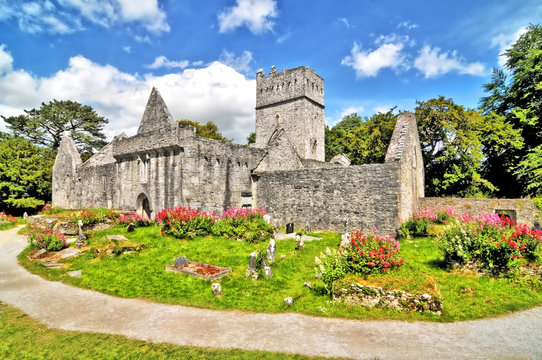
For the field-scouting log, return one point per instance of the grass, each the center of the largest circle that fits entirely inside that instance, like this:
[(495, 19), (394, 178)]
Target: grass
[(142, 275), (25, 338), (20, 221)]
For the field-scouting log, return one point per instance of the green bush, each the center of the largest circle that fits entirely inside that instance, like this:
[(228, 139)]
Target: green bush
[(48, 240)]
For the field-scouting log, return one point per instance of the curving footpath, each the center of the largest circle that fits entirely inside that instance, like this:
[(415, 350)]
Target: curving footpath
[(515, 336)]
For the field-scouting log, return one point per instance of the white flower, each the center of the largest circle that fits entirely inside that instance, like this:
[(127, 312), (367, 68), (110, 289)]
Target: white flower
[(317, 260)]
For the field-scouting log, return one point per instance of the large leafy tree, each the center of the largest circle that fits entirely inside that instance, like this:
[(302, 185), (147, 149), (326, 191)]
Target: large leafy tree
[(516, 95), (25, 174), (364, 141), (44, 126)]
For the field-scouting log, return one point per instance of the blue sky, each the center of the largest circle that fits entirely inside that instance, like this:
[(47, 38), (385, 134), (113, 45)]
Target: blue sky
[(203, 55)]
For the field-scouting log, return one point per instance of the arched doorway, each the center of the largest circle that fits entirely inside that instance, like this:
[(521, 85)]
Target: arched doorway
[(143, 206)]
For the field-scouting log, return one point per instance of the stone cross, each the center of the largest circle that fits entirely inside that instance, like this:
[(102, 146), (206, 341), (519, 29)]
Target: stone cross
[(81, 238), (299, 241), (217, 290)]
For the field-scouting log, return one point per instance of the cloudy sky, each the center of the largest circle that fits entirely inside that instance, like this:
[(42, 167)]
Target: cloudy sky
[(203, 55)]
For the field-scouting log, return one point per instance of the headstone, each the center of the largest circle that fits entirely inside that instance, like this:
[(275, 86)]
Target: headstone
[(252, 261), (116, 238), (25, 215), (288, 301), (68, 253), (271, 251), (277, 226), (308, 284), (38, 253), (267, 218), (299, 241), (75, 273), (267, 272), (345, 240), (289, 228), (130, 228), (180, 261), (81, 238), (307, 228), (217, 290), (345, 222)]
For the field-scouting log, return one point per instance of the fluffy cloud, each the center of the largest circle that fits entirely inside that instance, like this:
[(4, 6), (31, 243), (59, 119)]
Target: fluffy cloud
[(162, 61), (240, 63), (367, 63), (66, 16), (215, 93), (504, 41), (432, 62), (256, 15)]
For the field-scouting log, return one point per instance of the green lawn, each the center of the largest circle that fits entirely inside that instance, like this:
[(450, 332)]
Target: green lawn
[(25, 338), (142, 275)]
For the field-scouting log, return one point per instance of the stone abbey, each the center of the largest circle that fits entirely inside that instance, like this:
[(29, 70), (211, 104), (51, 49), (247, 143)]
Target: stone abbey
[(165, 164)]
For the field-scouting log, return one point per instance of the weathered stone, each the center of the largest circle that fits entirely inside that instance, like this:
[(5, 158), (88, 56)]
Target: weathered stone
[(267, 218), (25, 215), (116, 238), (180, 261), (56, 228), (289, 228), (75, 273), (217, 289), (345, 240), (130, 227), (68, 253), (267, 272), (300, 244), (307, 284), (271, 251), (39, 253), (288, 301)]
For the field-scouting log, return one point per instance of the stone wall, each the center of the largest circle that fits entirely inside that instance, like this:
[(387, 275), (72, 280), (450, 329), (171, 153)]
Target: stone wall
[(522, 210), (366, 195), (292, 100)]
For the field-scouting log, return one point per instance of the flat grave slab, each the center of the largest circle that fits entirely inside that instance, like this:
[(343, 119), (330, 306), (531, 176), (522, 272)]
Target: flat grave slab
[(200, 270)]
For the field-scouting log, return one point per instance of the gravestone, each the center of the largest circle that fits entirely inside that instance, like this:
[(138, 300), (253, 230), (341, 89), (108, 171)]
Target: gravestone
[(217, 290), (271, 251), (252, 267), (288, 301), (267, 218), (267, 272), (277, 226), (81, 238), (345, 240), (38, 253), (289, 228), (25, 215), (307, 228), (180, 261), (299, 241), (130, 228)]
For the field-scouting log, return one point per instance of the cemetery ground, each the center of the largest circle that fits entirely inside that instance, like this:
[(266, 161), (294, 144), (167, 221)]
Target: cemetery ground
[(141, 274)]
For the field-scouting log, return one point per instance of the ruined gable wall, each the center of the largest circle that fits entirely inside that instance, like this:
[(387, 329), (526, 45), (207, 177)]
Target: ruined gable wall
[(65, 174), (367, 195), (296, 96)]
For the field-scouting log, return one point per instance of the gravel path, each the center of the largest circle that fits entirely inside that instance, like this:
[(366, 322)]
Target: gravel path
[(516, 336)]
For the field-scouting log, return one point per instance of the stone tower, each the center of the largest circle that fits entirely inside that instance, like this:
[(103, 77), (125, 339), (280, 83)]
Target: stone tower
[(292, 100)]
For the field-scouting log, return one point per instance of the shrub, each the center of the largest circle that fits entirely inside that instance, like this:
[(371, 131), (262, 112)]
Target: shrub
[(183, 222), (135, 218), (246, 224), (50, 210), (48, 240), (418, 223), (492, 241), (330, 266), (372, 253), (8, 218)]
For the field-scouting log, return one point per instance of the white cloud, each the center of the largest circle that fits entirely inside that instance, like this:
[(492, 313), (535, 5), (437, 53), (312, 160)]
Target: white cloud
[(239, 63), (256, 15), (162, 61), (283, 37), (407, 25), (504, 41), (215, 93), (66, 16), (367, 63), (127, 49), (431, 62), (345, 22)]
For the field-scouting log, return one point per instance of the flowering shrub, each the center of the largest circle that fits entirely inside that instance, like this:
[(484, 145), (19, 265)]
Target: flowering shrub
[(246, 224), (185, 222), (364, 255), (50, 210), (48, 240), (6, 217), (372, 253), (93, 216), (418, 223), (494, 242), (135, 218)]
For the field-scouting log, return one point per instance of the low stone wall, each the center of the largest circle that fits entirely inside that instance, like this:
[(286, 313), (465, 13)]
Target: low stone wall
[(374, 296), (521, 210), (64, 225)]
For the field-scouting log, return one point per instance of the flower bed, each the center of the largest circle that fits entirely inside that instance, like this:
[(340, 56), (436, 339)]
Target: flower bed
[(8, 219), (134, 218), (418, 223), (49, 240)]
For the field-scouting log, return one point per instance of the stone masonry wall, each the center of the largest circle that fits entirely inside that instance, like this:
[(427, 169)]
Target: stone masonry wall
[(366, 195), (523, 210)]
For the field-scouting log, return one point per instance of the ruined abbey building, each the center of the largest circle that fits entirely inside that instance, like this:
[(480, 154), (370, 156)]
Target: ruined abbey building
[(165, 164)]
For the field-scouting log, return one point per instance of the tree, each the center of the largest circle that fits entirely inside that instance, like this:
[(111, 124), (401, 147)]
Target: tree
[(25, 174), (363, 141), (451, 148), (44, 126), (251, 138), (209, 130), (517, 97)]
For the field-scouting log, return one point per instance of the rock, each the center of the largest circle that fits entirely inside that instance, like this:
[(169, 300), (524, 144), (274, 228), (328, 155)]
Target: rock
[(267, 272), (288, 301), (38, 253), (56, 228), (267, 218), (25, 215), (75, 273), (116, 238), (299, 241), (180, 261), (252, 261), (130, 228), (307, 284), (271, 251), (283, 256), (255, 276), (217, 289), (68, 253), (424, 297)]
